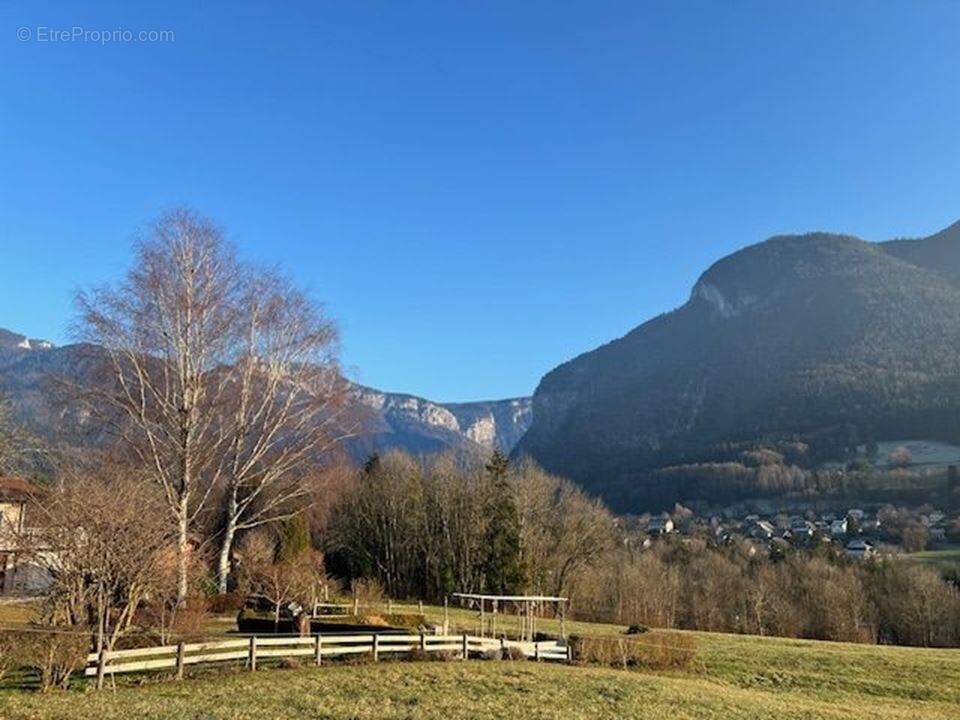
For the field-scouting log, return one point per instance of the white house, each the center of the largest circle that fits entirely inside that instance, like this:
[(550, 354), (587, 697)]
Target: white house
[(660, 525)]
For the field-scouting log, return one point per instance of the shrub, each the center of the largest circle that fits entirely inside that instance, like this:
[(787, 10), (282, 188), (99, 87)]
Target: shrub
[(656, 651), (8, 656), (190, 621), (513, 653), (418, 655), (367, 591), (230, 602), (637, 629), (53, 656), (494, 654), (410, 621), (290, 663)]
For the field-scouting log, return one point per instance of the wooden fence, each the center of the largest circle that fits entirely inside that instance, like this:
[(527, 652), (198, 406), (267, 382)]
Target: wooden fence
[(316, 647)]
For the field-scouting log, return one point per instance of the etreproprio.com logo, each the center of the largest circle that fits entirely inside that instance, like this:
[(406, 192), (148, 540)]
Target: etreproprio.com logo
[(45, 34)]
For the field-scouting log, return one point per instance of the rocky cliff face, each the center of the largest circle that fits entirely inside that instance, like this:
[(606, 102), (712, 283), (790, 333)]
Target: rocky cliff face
[(821, 338), (419, 425), (385, 420)]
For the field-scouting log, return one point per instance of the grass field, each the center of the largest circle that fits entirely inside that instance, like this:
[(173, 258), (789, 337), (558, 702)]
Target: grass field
[(943, 559), (732, 677)]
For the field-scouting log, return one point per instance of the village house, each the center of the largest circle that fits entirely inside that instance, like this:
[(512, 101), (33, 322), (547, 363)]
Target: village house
[(860, 549), (762, 529), (838, 528), (17, 574), (660, 525), (802, 529)]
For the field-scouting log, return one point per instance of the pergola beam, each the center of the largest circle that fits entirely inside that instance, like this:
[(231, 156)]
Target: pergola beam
[(510, 598), (527, 606)]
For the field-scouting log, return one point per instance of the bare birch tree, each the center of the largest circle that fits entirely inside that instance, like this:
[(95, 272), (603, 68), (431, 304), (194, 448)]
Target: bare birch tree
[(218, 372), (285, 413)]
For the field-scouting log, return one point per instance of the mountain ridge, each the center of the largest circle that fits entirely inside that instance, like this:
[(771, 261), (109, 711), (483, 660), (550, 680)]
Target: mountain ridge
[(798, 337), (385, 420)]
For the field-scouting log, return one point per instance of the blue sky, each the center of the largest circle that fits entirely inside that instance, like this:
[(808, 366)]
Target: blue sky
[(477, 190)]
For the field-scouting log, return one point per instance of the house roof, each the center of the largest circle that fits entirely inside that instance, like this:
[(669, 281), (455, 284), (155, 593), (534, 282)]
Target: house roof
[(15, 488)]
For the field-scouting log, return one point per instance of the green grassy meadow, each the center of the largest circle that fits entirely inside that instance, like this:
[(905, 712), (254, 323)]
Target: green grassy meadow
[(944, 559), (732, 677), (739, 678)]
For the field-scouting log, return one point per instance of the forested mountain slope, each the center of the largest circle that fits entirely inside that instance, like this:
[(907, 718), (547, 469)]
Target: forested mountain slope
[(824, 339)]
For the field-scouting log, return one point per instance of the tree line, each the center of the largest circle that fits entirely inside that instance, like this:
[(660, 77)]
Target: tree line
[(427, 527), (430, 527)]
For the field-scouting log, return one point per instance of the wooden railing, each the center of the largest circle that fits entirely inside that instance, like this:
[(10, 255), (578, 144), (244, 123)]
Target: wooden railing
[(315, 647)]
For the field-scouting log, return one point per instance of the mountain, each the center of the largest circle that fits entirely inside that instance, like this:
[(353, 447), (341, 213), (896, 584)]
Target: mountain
[(385, 420), (803, 343), (11, 343), (396, 420)]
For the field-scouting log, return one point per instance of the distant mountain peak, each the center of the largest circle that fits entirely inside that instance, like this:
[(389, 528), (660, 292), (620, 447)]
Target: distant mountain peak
[(415, 423), (10, 340)]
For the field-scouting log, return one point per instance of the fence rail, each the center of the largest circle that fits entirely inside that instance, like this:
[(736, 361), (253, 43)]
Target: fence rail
[(317, 647)]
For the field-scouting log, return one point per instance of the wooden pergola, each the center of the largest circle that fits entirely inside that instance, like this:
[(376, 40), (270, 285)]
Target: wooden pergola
[(528, 608)]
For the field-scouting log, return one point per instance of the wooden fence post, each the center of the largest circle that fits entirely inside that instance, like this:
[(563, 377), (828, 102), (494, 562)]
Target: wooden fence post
[(420, 606), (319, 649), (446, 617), (390, 606), (252, 656), (181, 651), (466, 650), (356, 605), (423, 642), (376, 648), (569, 653), (536, 651), (101, 667), (503, 648)]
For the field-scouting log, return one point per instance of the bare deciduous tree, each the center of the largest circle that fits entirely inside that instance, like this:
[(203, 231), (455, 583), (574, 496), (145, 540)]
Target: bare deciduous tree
[(562, 530), (296, 580), (223, 379), (169, 328), (285, 399), (103, 540)]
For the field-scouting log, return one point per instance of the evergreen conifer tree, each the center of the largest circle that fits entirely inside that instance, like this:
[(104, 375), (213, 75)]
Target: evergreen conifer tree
[(503, 569)]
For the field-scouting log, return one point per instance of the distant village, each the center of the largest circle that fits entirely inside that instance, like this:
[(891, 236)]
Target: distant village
[(858, 532)]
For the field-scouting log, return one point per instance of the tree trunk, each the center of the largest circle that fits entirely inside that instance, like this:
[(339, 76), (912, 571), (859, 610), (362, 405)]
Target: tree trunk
[(226, 546), (183, 552)]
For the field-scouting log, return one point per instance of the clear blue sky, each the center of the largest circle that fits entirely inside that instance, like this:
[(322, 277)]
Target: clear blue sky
[(478, 190)]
